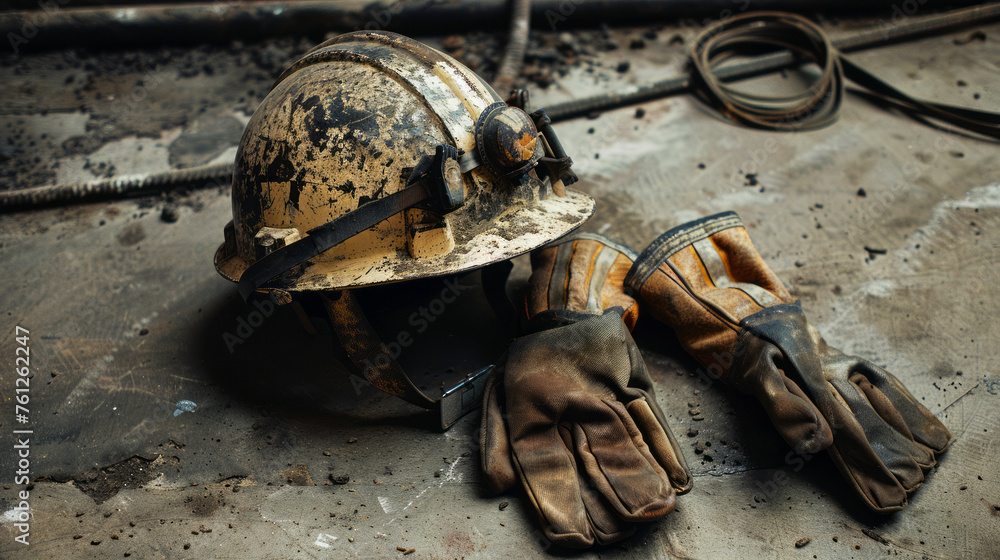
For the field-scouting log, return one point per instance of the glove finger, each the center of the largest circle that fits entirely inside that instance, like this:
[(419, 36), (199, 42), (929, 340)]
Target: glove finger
[(662, 444), (901, 455), (652, 424), (792, 412), (888, 412), (869, 477), (494, 442), (922, 424), (858, 462), (548, 472), (626, 474), (607, 527), (882, 405)]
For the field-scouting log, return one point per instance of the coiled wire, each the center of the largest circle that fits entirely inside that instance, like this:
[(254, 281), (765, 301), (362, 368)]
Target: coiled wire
[(816, 106)]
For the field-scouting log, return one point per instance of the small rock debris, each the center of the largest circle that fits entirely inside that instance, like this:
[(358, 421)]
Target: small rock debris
[(875, 251), (994, 508), (340, 479), (169, 214), (976, 35)]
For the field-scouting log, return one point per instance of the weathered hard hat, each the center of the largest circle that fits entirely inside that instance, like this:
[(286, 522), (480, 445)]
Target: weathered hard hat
[(377, 159)]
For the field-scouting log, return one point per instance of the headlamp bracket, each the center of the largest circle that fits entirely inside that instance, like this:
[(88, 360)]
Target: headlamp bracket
[(441, 175)]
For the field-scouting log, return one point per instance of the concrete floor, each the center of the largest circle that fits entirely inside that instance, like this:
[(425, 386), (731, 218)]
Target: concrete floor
[(286, 456)]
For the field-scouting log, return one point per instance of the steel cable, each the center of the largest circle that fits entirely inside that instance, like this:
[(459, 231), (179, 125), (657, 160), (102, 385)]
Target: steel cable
[(517, 44), (853, 41), (814, 107), (819, 104)]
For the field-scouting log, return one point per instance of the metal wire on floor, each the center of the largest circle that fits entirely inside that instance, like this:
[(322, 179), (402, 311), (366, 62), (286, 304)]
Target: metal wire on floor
[(712, 76)]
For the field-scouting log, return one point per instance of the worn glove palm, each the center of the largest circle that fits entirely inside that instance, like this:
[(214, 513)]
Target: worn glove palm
[(571, 412), (729, 310)]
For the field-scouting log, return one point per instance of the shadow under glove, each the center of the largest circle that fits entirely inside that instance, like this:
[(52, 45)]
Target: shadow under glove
[(729, 310), (570, 409)]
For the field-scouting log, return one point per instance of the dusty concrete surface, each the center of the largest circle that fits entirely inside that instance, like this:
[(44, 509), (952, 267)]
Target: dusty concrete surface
[(171, 421)]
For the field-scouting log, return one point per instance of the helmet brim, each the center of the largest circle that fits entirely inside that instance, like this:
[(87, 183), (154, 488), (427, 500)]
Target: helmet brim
[(511, 235)]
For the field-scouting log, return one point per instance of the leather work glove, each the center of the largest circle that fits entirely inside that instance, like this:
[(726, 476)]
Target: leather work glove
[(570, 409), (729, 310)]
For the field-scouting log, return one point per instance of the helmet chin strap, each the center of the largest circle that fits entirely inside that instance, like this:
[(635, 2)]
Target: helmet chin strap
[(366, 350)]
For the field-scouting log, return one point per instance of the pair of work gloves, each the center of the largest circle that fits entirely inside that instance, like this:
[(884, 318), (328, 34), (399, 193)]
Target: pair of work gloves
[(571, 411)]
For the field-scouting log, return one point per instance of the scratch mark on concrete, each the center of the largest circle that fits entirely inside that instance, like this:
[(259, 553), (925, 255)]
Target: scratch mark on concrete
[(323, 540), (450, 475), (386, 505)]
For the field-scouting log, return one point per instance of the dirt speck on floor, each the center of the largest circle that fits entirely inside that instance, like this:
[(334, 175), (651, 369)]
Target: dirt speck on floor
[(103, 483), (132, 234), (204, 506), (994, 508), (459, 544), (298, 475)]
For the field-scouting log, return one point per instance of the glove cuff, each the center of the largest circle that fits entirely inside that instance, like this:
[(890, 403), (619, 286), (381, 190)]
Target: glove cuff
[(555, 318), (702, 278), (623, 249), (668, 244), (582, 274)]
